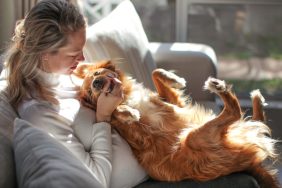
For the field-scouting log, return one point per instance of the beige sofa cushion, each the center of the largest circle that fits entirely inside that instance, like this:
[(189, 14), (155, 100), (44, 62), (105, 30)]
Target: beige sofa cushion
[(44, 162), (120, 36)]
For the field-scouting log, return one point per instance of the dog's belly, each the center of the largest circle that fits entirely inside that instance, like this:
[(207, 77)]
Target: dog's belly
[(138, 96), (165, 118), (156, 139)]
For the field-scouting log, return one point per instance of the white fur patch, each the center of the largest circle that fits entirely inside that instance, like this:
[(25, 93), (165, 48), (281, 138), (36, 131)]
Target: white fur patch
[(139, 95), (140, 99), (178, 81), (215, 85), (253, 133)]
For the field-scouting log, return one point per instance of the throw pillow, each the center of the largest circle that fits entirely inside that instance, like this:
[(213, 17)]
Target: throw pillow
[(43, 162), (7, 116), (120, 36), (7, 173)]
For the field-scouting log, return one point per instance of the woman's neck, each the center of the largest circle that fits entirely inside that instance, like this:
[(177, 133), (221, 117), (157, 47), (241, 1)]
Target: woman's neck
[(48, 79)]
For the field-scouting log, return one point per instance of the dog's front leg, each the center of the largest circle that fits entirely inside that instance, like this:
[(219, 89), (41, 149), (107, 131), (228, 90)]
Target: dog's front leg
[(168, 86), (125, 114)]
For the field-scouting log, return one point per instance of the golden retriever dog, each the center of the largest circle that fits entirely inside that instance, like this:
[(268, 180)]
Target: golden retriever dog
[(174, 139)]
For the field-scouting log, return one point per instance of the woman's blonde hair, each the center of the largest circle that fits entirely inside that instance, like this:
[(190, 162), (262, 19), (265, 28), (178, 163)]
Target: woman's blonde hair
[(44, 29)]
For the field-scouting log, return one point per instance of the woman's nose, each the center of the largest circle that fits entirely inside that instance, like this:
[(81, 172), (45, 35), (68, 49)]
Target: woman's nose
[(81, 57)]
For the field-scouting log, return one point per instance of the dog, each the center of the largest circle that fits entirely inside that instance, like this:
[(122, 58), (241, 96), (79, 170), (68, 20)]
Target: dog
[(174, 139)]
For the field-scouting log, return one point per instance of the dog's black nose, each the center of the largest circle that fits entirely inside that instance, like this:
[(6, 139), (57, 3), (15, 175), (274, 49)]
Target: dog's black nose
[(98, 83)]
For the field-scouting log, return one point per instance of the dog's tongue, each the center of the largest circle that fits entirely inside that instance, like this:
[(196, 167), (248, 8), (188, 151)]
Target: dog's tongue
[(116, 80)]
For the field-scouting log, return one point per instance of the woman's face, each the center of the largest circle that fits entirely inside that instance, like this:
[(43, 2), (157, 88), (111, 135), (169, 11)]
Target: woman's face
[(68, 57)]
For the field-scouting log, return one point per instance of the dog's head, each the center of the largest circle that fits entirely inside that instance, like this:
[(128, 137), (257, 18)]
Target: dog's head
[(96, 76)]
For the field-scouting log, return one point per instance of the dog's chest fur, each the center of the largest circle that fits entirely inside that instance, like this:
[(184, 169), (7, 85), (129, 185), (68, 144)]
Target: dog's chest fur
[(157, 113), (140, 99)]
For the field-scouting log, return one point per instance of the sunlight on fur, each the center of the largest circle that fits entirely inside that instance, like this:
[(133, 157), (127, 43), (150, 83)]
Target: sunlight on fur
[(175, 139)]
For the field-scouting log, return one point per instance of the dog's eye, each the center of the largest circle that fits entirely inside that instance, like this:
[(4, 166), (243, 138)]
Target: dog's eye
[(97, 73), (89, 92)]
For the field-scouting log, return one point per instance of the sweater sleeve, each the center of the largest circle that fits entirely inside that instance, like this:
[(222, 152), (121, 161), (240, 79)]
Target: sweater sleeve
[(126, 171), (95, 151)]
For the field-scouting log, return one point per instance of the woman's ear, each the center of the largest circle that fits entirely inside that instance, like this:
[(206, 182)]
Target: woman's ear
[(82, 69), (44, 57), (44, 62)]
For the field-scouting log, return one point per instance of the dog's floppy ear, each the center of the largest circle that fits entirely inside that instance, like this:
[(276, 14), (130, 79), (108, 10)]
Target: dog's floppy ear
[(107, 64), (82, 69)]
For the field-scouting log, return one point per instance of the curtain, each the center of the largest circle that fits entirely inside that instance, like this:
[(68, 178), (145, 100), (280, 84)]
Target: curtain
[(23, 6), (10, 12)]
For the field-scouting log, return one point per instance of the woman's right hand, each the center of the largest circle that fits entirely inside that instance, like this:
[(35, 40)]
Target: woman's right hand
[(108, 101)]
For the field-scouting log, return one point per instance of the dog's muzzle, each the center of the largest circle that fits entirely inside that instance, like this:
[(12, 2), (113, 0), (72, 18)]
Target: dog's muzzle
[(98, 83)]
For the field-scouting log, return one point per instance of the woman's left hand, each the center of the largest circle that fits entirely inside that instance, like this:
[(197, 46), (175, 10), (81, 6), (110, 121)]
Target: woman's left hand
[(109, 100)]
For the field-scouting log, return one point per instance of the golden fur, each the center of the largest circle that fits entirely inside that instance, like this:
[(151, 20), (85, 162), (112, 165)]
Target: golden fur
[(173, 140)]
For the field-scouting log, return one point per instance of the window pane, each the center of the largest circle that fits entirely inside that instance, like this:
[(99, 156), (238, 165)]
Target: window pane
[(247, 40), (158, 19)]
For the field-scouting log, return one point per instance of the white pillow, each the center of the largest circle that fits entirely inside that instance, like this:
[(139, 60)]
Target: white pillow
[(43, 162), (120, 36), (123, 162)]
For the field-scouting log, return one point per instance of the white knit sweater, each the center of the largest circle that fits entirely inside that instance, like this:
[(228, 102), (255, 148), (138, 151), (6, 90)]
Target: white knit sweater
[(102, 150)]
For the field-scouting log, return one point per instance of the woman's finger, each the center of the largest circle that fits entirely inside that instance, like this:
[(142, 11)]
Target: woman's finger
[(117, 89), (106, 88)]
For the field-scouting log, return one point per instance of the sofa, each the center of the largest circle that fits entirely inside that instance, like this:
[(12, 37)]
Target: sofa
[(121, 38)]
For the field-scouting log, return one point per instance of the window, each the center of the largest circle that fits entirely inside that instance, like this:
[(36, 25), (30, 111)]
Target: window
[(158, 19), (247, 40), (246, 36)]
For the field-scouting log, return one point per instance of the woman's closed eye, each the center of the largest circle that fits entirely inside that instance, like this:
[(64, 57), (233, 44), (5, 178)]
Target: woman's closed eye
[(73, 56)]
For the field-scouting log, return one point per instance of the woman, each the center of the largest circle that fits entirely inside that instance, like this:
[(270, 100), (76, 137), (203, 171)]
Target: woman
[(46, 49)]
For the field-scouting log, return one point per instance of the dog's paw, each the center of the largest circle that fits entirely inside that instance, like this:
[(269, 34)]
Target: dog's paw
[(256, 94), (126, 114), (174, 80), (216, 86)]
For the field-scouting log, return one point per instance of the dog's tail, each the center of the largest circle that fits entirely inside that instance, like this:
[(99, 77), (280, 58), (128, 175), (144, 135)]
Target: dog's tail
[(254, 136), (266, 178)]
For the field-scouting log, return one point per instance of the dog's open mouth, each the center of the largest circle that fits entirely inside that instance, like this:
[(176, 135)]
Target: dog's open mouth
[(112, 85)]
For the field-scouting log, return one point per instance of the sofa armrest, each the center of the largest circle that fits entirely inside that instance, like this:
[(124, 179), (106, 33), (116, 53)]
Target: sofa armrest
[(194, 62)]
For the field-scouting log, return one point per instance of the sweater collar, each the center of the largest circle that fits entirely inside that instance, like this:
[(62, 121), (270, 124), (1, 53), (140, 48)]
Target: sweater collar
[(48, 79)]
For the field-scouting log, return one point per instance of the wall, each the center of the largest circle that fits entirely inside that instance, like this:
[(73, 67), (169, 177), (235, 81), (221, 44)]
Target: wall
[(7, 22)]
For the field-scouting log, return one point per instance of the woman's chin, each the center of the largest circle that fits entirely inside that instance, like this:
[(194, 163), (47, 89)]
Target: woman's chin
[(66, 72)]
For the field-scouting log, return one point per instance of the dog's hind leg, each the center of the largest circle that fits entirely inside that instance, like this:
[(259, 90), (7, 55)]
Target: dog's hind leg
[(258, 103), (232, 110), (168, 86), (265, 177), (207, 143), (213, 130)]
